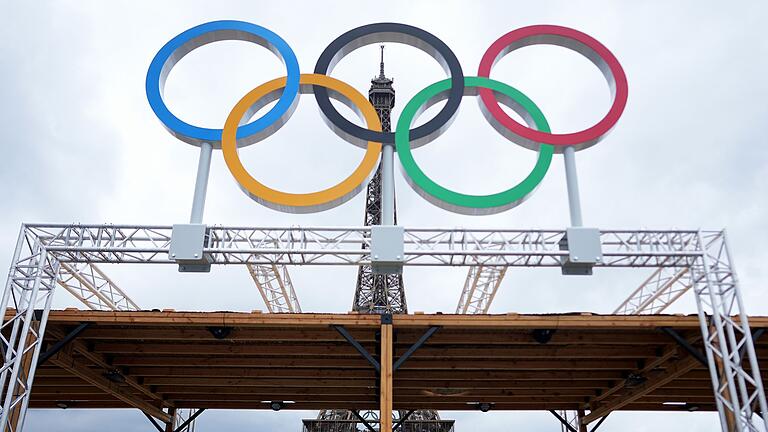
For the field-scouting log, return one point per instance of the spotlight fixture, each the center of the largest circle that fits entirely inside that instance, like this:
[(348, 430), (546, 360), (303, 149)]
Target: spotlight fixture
[(482, 406), (683, 406), (634, 380), (277, 405), (115, 376), (220, 332), (542, 336)]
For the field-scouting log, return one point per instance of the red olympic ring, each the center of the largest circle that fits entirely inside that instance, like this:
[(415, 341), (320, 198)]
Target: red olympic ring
[(565, 37)]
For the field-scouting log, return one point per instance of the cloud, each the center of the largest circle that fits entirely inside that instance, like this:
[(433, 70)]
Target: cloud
[(81, 144)]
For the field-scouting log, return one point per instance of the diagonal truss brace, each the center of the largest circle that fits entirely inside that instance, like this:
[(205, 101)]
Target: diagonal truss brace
[(274, 284), (480, 288), (89, 284), (662, 288)]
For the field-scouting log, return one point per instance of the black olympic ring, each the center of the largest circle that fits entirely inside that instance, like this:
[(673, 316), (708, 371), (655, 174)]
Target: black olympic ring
[(398, 33)]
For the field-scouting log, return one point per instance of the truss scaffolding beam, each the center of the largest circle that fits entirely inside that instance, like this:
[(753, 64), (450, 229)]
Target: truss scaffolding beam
[(274, 284), (480, 288), (341, 246), (189, 421), (662, 288), (725, 334), (89, 284)]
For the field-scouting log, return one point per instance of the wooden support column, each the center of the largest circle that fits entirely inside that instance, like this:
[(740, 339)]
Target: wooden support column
[(171, 424), (385, 392), (579, 416)]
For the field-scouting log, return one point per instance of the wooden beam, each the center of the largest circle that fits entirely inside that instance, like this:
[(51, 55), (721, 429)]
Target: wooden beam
[(343, 349), (65, 360), (350, 383), (98, 359), (360, 363), (655, 381), (670, 352), (405, 336), (385, 384), (506, 321)]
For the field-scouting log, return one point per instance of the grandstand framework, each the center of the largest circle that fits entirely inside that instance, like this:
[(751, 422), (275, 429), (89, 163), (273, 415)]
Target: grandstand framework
[(591, 363)]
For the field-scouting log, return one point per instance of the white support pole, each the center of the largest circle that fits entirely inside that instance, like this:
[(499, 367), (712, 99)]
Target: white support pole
[(388, 184), (572, 182), (201, 183)]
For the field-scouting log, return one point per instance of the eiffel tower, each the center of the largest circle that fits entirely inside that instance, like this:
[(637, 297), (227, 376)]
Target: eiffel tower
[(378, 294)]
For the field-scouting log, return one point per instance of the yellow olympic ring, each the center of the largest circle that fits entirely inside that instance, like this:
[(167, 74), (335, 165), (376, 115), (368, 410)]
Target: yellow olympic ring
[(301, 202)]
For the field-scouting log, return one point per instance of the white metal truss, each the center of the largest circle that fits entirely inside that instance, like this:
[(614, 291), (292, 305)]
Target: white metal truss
[(88, 283), (274, 284), (181, 416), (30, 287), (480, 288), (727, 339), (572, 421), (662, 288), (341, 246)]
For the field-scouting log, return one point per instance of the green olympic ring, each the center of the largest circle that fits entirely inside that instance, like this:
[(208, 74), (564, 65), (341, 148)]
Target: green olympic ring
[(459, 202)]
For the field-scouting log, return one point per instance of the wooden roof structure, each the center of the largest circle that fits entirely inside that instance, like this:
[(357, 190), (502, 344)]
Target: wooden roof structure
[(151, 360)]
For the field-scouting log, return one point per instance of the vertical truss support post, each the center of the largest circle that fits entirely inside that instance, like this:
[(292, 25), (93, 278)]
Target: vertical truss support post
[(30, 286), (385, 387), (736, 380)]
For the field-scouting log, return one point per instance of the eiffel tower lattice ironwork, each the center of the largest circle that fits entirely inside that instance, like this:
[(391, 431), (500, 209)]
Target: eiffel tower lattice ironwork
[(382, 294), (379, 293)]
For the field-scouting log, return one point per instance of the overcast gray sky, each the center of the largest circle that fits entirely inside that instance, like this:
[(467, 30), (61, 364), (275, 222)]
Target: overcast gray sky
[(80, 144)]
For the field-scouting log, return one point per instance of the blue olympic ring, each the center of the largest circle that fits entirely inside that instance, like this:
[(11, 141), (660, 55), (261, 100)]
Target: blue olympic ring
[(214, 31)]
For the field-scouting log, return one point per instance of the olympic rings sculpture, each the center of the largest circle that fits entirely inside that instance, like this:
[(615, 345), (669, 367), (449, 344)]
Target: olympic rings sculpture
[(534, 135)]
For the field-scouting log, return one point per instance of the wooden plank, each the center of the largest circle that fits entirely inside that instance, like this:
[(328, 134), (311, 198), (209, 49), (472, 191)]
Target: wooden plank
[(359, 363), (319, 349), (405, 337), (160, 382), (444, 406), (575, 321), (468, 375)]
